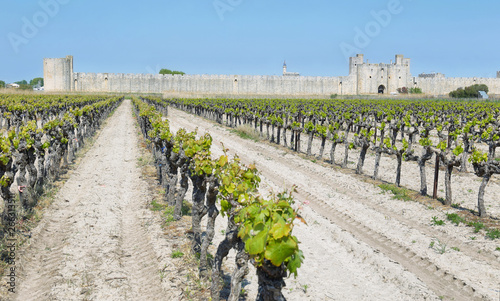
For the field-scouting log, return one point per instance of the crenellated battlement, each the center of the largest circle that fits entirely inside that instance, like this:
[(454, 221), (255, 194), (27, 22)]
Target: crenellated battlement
[(363, 78)]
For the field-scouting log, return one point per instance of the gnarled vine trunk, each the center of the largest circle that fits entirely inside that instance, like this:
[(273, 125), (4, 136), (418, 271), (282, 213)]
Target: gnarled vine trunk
[(480, 199), (240, 271), (426, 155), (322, 148), (271, 282), (213, 212), (309, 143), (198, 209), (362, 156), (223, 249), (184, 185), (332, 152)]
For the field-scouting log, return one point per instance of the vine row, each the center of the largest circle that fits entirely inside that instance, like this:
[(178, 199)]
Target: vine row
[(258, 228), (39, 139), (452, 132)]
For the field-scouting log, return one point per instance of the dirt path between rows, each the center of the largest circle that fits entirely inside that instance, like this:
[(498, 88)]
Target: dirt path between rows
[(99, 241), (93, 242), (361, 244)]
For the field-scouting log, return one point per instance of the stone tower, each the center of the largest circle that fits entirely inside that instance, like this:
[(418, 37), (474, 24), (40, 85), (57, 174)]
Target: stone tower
[(498, 74), (58, 74), (379, 78), (286, 73), (354, 62)]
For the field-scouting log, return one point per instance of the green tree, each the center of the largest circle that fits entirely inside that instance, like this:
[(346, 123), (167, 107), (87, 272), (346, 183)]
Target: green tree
[(415, 90), (36, 81), (22, 82), (2, 84), (469, 92), (168, 71)]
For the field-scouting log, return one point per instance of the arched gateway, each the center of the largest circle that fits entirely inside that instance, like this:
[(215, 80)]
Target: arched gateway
[(381, 89)]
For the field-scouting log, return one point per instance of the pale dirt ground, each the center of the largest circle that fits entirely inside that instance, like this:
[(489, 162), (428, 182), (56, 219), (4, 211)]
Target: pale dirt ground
[(98, 240), (359, 243), (465, 186)]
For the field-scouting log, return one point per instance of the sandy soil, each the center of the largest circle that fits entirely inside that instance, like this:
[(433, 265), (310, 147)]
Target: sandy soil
[(360, 244), (98, 240), (465, 185)]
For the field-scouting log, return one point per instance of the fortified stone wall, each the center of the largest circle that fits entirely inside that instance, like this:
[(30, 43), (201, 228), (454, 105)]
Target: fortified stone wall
[(212, 84), (363, 78), (443, 86)]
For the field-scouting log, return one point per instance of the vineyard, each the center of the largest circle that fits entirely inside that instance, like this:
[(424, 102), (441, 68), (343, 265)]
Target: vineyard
[(39, 133), (455, 133), (289, 199)]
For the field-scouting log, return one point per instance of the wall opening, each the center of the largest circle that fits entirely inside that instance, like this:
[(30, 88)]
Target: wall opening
[(381, 89), (76, 85)]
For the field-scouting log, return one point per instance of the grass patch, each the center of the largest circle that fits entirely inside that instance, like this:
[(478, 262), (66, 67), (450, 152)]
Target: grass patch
[(246, 132), (437, 222), (438, 246), (144, 161), (168, 215), (477, 226), (177, 254), (398, 192), (493, 234), (155, 206), (455, 218), (167, 212)]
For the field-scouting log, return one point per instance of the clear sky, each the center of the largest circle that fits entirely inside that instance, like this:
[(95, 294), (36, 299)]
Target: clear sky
[(250, 37)]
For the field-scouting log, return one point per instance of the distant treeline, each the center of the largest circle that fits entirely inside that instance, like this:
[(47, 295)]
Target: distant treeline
[(168, 71), (23, 84), (469, 92)]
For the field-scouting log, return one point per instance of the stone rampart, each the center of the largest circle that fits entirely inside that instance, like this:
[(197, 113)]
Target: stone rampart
[(211, 84), (364, 78)]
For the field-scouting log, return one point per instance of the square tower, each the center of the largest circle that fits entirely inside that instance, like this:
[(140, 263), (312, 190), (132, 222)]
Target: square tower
[(354, 62)]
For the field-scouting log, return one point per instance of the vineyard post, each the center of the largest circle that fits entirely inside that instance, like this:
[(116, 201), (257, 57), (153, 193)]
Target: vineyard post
[(294, 132), (297, 138), (436, 177)]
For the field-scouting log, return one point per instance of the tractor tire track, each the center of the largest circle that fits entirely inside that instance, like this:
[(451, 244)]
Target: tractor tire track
[(93, 243), (438, 279)]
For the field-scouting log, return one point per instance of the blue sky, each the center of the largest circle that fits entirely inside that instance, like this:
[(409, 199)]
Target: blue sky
[(457, 38)]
